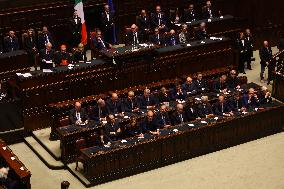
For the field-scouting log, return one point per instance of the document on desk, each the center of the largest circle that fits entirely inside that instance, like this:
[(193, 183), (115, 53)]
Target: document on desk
[(47, 71)]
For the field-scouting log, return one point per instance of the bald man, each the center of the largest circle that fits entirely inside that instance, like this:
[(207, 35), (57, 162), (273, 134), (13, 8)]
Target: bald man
[(79, 55), (172, 39), (131, 103), (62, 58), (133, 37), (46, 57), (44, 37), (100, 111), (159, 20), (179, 116), (189, 87), (222, 107), (78, 115), (147, 101), (163, 117), (114, 105), (150, 124), (112, 128)]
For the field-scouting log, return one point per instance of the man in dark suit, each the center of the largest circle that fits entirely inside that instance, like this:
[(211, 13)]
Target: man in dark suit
[(100, 111), (157, 38), (221, 84), (222, 107), (147, 101), (78, 115), (249, 39), (44, 38), (191, 109), (133, 37), (30, 46), (159, 20), (242, 46), (189, 87), (265, 54), (163, 117), (177, 93), (204, 108), (150, 124), (112, 128), (11, 42), (233, 80), (190, 14), (130, 103), (201, 32), (100, 43), (207, 12), (144, 24), (200, 84), (250, 100), (264, 96), (172, 39), (75, 27), (62, 58), (46, 57), (107, 21), (236, 103), (114, 105), (80, 54), (179, 116)]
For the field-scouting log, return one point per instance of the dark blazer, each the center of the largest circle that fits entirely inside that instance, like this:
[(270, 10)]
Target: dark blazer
[(233, 82), (157, 40), (75, 28), (206, 13), (172, 40), (43, 39), (143, 23), (176, 119), (79, 56), (204, 110), (218, 110), (164, 118), (174, 95), (189, 88), (112, 128), (100, 44), (265, 55), (201, 34), (107, 24), (162, 98), (200, 84), (263, 99), (155, 20), (130, 105), (191, 112), (250, 104), (10, 44), (189, 16), (114, 108), (235, 105), (59, 56), (83, 114), (129, 38), (146, 125), (131, 131), (220, 85), (98, 113), (48, 56), (147, 102), (29, 44)]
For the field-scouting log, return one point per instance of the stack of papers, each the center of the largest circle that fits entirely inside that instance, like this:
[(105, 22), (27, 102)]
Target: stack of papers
[(191, 125), (47, 70), (24, 74)]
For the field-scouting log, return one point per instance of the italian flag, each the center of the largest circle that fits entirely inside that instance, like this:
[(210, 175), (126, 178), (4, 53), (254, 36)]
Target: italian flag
[(80, 10)]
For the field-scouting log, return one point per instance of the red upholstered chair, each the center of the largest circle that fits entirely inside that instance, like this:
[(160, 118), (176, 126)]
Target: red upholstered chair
[(80, 144)]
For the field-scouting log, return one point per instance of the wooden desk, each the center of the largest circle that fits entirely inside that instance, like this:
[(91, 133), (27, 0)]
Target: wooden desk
[(13, 62), (140, 155), (278, 86), (16, 165)]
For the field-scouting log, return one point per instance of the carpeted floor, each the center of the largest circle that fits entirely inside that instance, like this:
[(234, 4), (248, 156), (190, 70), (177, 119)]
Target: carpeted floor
[(255, 165)]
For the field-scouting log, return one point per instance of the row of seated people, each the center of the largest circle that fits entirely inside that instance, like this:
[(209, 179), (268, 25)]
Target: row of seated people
[(179, 92), (192, 110)]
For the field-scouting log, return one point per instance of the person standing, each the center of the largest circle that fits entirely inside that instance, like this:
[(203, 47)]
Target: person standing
[(265, 54)]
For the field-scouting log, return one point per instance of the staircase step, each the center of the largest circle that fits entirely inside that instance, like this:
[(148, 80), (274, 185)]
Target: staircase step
[(43, 155)]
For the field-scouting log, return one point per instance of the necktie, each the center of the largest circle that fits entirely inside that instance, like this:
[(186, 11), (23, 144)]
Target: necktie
[(78, 116), (107, 14), (132, 105), (100, 112), (46, 39), (181, 118), (163, 119), (159, 17), (222, 108)]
